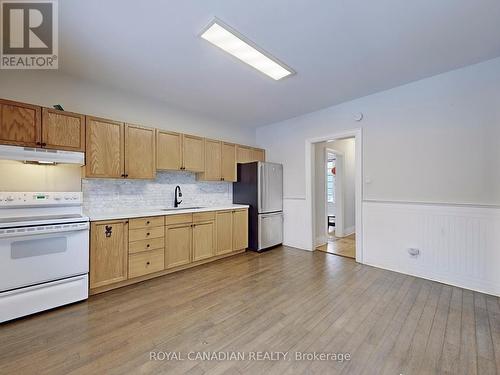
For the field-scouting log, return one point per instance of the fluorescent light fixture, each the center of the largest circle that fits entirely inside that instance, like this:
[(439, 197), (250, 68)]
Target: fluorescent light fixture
[(243, 49)]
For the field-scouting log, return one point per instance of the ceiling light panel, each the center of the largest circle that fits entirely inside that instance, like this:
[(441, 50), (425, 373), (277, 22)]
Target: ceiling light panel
[(235, 44)]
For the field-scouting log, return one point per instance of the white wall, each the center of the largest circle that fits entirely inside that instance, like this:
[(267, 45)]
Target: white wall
[(436, 140), (46, 88), (348, 148)]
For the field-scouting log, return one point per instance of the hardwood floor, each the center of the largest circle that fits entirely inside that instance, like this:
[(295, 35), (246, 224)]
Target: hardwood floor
[(343, 246), (284, 300)]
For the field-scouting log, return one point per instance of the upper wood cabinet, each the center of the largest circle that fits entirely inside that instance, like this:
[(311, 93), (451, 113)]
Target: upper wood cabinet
[(20, 124), (258, 154), (108, 252), (117, 150), (244, 154), (180, 151), (228, 162), (168, 150), (63, 130), (140, 155), (193, 153), (105, 154), (213, 153)]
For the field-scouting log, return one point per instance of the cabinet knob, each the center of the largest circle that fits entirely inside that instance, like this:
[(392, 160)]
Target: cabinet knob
[(44, 144), (147, 245), (147, 234), (147, 263), (147, 222), (39, 143)]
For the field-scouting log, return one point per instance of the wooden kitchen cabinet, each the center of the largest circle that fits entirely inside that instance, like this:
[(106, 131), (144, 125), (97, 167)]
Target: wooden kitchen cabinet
[(258, 154), (193, 153), (240, 229), (213, 155), (63, 130), (108, 252), (105, 151), (117, 150), (244, 154), (178, 245), (228, 162), (224, 234), (140, 152), (203, 240), (169, 150), (20, 124)]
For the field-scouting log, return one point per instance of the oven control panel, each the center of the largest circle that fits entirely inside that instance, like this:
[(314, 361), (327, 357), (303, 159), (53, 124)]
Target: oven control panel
[(16, 199)]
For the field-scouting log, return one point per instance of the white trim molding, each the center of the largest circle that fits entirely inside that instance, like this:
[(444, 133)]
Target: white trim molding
[(457, 245)]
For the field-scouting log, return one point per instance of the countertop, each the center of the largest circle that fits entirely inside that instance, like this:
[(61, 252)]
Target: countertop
[(130, 214)]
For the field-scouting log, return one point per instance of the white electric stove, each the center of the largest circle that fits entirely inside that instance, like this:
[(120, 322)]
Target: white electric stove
[(44, 252)]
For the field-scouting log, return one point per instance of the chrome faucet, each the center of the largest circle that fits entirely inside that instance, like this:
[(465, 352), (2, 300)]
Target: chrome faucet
[(178, 194)]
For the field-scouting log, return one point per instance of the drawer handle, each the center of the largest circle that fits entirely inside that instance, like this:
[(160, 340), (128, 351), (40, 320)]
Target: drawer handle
[(109, 231)]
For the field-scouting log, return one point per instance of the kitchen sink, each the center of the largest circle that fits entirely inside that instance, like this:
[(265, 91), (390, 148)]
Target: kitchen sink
[(180, 208)]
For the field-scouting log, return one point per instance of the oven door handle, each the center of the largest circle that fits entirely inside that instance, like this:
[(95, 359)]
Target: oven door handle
[(23, 232)]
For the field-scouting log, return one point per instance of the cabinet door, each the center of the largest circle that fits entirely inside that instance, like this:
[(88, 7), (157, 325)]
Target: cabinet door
[(228, 163), (104, 148), (178, 243), (20, 124), (212, 161), (193, 153), (168, 150), (108, 252), (139, 152), (243, 154), (203, 240), (258, 154), (224, 234), (240, 229), (63, 130)]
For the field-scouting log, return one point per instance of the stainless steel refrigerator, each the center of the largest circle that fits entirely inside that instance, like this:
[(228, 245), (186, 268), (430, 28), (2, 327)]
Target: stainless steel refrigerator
[(260, 185)]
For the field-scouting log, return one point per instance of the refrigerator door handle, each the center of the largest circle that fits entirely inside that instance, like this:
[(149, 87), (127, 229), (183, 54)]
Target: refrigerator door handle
[(260, 187)]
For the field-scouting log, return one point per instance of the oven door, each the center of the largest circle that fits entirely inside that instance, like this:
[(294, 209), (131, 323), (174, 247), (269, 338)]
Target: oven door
[(39, 254)]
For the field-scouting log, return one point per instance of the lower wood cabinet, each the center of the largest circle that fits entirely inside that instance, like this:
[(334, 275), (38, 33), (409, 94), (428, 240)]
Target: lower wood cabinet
[(146, 262), (240, 229), (126, 251), (203, 240), (178, 245), (224, 237), (108, 252)]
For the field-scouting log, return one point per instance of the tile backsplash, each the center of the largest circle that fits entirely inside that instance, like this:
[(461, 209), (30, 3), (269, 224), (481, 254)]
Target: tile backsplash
[(110, 194)]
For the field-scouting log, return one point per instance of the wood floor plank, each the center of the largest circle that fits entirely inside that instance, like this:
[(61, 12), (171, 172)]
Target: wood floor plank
[(283, 300)]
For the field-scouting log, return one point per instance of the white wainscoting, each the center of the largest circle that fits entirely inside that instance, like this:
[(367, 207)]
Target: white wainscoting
[(459, 245)]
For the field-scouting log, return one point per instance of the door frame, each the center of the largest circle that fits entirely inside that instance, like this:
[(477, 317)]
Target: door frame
[(357, 134)]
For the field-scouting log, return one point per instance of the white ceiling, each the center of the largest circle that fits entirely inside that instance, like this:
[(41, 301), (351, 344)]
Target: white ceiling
[(341, 49)]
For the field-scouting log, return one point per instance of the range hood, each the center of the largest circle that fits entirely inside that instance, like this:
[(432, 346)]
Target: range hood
[(41, 155)]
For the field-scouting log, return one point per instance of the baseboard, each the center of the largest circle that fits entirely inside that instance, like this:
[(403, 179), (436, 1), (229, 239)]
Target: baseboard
[(320, 240), (347, 232)]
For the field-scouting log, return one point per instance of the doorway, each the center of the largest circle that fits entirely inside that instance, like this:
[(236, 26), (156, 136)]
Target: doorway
[(334, 193)]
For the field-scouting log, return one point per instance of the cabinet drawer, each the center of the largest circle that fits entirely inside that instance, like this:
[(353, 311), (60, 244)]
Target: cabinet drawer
[(146, 262), (145, 245), (146, 222), (203, 216), (178, 219), (145, 233)]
